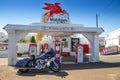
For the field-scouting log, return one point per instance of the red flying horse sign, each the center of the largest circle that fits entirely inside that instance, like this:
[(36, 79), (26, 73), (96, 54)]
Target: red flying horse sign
[(53, 9)]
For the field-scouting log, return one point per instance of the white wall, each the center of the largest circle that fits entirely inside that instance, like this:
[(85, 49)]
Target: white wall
[(114, 34), (84, 41), (22, 47), (112, 42), (113, 38)]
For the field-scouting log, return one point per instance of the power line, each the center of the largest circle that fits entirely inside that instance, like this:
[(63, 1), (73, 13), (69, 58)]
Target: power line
[(104, 9)]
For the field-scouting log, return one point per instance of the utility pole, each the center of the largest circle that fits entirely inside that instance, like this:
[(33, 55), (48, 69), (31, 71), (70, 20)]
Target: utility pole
[(96, 20)]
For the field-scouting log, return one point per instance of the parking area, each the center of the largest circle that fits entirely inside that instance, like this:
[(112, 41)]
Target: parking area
[(107, 69)]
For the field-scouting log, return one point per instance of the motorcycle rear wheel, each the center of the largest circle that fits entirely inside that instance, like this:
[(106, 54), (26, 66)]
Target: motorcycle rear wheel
[(23, 70)]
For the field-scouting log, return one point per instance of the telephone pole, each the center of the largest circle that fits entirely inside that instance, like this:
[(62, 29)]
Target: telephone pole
[(96, 20)]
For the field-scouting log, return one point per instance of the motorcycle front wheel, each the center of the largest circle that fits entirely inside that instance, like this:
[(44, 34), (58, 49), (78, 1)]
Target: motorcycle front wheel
[(56, 67)]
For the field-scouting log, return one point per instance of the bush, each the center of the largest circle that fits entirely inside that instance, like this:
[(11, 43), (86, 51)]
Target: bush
[(19, 54), (24, 53)]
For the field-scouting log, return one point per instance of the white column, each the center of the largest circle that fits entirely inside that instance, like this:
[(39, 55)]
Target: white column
[(12, 56), (94, 49), (94, 46), (96, 56)]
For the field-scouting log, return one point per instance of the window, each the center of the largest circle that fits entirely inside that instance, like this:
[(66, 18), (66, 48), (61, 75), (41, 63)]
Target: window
[(64, 43)]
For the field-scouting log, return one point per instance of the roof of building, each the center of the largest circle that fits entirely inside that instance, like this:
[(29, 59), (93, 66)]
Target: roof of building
[(54, 29)]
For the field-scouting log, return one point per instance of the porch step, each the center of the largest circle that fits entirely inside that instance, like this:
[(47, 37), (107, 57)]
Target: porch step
[(68, 59)]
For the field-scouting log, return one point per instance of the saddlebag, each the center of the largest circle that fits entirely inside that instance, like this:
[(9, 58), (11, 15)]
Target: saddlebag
[(22, 63)]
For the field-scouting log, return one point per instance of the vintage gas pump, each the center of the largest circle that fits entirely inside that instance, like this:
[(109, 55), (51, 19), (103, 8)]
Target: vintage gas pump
[(58, 50), (33, 49), (79, 54), (44, 48)]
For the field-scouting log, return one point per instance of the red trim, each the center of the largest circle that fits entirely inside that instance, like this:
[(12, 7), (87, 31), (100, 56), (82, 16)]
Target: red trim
[(65, 54), (85, 48)]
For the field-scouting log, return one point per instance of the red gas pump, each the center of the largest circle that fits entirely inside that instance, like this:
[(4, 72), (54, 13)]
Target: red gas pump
[(58, 50), (32, 49), (44, 48)]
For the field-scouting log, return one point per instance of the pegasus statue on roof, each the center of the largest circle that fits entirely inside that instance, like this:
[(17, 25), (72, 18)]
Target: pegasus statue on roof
[(53, 9)]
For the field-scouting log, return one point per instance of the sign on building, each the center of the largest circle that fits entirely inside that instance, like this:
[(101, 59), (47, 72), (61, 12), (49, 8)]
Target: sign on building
[(55, 14)]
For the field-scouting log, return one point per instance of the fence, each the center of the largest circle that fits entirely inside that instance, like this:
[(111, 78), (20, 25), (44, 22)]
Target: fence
[(21, 48)]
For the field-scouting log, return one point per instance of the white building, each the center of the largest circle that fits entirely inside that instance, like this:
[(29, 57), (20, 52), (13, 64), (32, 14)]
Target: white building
[(113, 39), (16, 32), (3, 37), (56, 26)]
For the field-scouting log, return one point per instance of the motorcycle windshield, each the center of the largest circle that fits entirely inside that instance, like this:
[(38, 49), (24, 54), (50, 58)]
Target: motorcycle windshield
[(42, 56)]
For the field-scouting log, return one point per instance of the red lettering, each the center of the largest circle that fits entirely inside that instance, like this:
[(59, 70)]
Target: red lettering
[(59, 28)]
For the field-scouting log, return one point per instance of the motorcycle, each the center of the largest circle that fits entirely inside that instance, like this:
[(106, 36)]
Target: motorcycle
[(42, 62)]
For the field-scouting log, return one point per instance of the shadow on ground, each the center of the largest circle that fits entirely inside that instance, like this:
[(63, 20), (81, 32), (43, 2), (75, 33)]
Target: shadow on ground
[(90, 65), (61, 74)]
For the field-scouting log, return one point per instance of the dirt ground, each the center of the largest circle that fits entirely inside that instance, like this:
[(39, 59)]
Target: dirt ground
[(107, 69)]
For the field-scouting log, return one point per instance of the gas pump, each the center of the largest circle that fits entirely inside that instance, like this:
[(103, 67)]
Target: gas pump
[(79, 54), (58, 50), (44, 48), (33, 49)]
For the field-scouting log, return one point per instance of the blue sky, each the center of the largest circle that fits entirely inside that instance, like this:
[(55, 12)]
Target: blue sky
[(80, 11)]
